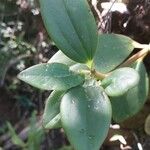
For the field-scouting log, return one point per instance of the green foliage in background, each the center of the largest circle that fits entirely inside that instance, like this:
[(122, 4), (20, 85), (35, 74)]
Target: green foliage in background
[(13, 46), (34, 138)]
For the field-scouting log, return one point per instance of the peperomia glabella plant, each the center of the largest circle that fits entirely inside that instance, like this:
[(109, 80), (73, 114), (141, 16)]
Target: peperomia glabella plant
[(92, 76)]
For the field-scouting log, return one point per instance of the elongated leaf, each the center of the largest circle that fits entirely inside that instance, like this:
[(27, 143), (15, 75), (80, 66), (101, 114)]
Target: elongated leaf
[(35, 134), (60, 57), (111, 51), (120, 81), (53, 76), (130, 103), (51, 116), (71, 25), (86, 116), (14, 137)]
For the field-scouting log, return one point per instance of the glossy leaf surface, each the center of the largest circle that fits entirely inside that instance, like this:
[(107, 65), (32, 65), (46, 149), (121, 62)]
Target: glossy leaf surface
[(130, 103), (60, 57), (111, 51), (120, 81), (71, 25), (86, 116), (51, 116), (53, 76)]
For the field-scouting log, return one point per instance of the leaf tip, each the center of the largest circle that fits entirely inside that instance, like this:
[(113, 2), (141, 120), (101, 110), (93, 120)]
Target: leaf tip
[(20, 75)]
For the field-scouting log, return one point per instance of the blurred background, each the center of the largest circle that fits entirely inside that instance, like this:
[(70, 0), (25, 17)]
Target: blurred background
[(24, 42)]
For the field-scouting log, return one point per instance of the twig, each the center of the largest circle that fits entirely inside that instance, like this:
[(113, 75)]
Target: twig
[(98, 75), (141, 54), (94, 3), (107, 14)]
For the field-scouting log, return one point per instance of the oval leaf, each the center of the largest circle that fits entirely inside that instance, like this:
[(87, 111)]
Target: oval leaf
[(76, 37), (111, 51), (60, 57), (120, 81), (130, 103), (51, 116), (86, 116), (53, 76)]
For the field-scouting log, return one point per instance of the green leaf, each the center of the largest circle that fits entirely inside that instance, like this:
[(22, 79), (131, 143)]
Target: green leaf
[(86, 116), (14, 137), (111, 51), (53, 76), (35, 134), (77, 38), (79, 67), (131, 103), (60, 57), (120, 81), (54, 123), (51, 116)]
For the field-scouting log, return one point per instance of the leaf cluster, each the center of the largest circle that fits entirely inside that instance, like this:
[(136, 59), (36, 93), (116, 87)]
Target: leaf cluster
[(90, 86)]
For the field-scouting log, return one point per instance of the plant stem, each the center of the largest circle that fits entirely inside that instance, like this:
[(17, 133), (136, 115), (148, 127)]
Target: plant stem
[(98, 75), (140, 54), (89, 63), (141, 46), (85, 72)]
